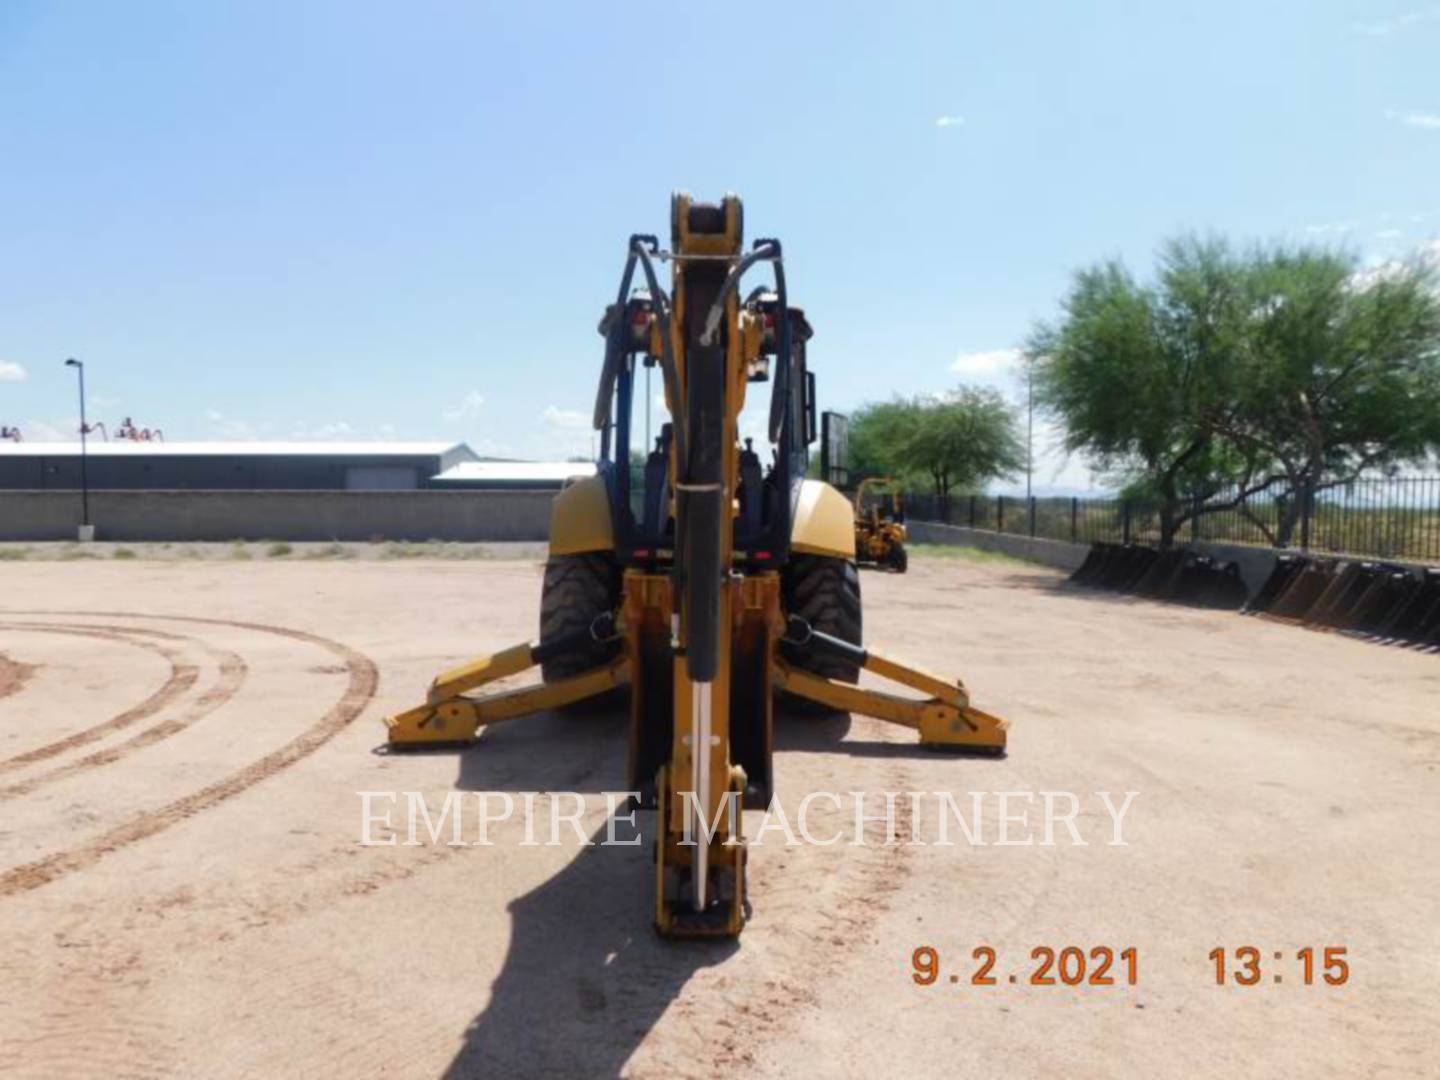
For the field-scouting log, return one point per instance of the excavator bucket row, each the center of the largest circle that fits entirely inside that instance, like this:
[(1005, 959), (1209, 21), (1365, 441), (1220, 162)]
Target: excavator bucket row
[(1179, 576), (1383, 601)]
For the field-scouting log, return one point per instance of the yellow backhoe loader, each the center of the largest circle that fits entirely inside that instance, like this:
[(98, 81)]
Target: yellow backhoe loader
[(703, 582), (880, 526)]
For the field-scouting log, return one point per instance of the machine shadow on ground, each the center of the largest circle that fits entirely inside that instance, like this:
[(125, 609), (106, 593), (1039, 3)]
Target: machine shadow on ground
[(815, 730), (580, 750), (586, 977)]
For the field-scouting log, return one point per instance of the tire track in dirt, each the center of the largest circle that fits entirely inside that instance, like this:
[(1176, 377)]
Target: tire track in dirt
[(864, 889), (183, 676), (364, 679), (232, 670), (92, 1026), (13, 675), (868, 887), (307, 889)]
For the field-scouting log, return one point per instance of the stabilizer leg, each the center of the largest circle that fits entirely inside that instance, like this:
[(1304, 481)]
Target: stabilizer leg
[(449, 717), (945, 719)]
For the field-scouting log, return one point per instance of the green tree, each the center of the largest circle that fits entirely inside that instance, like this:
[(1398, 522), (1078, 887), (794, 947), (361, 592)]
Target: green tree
[(879, 434), (1138, 376), (1340, 373), (957, 442), (1283, 369)]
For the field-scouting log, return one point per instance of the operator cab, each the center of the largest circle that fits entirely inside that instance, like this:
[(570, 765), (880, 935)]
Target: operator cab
[(637, 475)]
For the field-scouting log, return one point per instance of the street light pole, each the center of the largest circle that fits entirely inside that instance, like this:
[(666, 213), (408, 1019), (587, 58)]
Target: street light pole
[(1029, 422), (84, 474)]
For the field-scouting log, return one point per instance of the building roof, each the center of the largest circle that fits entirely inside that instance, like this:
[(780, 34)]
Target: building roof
[(127, 447), (512, 472)]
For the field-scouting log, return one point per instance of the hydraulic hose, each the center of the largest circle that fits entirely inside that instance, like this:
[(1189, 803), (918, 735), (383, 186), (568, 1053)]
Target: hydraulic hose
[(615, 341), (763, 251), (669, 375)]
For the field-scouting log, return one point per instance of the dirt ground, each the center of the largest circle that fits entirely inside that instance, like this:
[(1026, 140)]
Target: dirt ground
[(182, 890)]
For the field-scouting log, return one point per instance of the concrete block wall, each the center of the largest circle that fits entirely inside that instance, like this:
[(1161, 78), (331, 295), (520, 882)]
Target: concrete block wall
[(279, 515), (1255, 563), (1057, 553)]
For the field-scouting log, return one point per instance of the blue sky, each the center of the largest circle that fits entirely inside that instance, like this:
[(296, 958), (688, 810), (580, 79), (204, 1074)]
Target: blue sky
[(403, 221)]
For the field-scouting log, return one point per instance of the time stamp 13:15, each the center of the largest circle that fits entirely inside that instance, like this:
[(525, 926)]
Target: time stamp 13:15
[(1102, 965)]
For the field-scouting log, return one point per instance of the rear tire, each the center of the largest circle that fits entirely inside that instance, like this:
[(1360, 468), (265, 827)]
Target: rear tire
[(825, 592), (899, 558), (577, 590)]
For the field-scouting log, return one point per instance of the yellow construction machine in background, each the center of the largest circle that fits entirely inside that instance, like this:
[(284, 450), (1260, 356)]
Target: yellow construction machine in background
[(880, 525), (702, 581)]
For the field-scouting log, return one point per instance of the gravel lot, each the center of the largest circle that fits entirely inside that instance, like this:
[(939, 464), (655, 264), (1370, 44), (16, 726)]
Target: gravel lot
[(182, 889)]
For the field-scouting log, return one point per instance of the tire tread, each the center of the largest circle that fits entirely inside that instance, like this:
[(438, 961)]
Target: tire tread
[(577, 588), (825, 592)]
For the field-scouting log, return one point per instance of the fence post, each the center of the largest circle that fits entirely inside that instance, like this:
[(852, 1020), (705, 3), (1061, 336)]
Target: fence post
[(1074, 519), (1194, 518), (1307, 507), (1032, 517), (1125, 521), (1000, 513), (972, 511)]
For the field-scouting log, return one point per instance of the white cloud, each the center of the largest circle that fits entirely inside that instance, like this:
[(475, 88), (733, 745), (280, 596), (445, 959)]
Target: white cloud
[(566, 433), (1385, 27), (12, 372), (1381, 268), (1055, 471), (979, 365), (1388, 234), (1377, 271), (40, 431), (1329, 228), (224, 427), (488, 447), (563, 418), (468, 408), (339, 429), (949, 121), (1422, 120)]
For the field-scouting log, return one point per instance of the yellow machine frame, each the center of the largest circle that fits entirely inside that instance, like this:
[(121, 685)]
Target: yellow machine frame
[(700, 874), (945, 719), (876, 537)]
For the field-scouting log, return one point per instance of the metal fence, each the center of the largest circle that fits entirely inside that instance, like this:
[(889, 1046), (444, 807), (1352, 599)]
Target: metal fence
[(1386, 518)]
